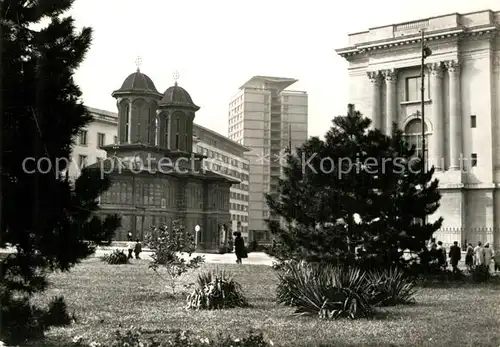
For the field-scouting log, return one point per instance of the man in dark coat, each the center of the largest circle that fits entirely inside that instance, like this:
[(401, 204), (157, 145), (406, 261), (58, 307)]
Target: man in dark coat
[(455, 256), (239, 247)]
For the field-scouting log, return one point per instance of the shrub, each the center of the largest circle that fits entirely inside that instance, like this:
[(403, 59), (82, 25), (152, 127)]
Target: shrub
[(391, 286), (118, 257), (216, 290), (179, 338), (166, 245), (481, 273), (328, 291)]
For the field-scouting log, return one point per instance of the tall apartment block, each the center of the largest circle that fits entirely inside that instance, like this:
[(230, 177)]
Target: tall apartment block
[(266, 118)]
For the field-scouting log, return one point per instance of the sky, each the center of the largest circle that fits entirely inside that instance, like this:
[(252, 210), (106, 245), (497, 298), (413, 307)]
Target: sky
[(218, 45)]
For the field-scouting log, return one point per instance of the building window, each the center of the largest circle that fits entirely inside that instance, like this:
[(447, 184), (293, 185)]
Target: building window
[(473, 121), (101, 139), (413, 134), (413, 85), (82, 161), (150, 124), (127, 110), (473, 160), (83, 138)]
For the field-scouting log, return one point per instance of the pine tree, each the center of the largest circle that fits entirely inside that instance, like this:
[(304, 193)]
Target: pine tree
[(48, 219), (357, 195)]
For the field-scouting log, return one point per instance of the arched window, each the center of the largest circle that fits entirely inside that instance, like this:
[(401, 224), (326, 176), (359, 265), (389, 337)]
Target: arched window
[(413, 134)]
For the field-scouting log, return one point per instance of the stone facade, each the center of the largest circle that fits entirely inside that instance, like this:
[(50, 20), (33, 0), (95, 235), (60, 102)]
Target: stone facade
[(462, 104), (156, 177)]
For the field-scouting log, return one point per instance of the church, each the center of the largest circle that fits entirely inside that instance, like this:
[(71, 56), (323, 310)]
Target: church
[(156, 177)]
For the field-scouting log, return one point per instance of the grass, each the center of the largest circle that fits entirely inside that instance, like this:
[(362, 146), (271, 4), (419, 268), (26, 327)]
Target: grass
[(108, 297)]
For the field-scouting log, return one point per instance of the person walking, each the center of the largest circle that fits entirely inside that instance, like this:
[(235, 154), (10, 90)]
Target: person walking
[(469, 257), (455, 256), (488, 255), (496, 260), (442, 256), (478, 254), (130, 247), (239, 247), (137, 248)]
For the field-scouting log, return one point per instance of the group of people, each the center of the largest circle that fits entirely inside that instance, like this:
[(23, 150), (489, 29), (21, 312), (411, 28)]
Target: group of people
[(482, 255), (133, 247), (475, 256)]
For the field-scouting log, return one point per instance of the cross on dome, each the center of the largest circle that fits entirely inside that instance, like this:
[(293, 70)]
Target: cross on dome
[(138, 62), (176, 76)]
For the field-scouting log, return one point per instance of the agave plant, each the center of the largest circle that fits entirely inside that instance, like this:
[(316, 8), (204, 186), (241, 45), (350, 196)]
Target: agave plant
[(118, 257), (328, 291), (216, 290), (390, 287)]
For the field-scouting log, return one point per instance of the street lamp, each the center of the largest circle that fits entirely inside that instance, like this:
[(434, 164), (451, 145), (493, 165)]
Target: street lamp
[(425, 52), (196, 230)]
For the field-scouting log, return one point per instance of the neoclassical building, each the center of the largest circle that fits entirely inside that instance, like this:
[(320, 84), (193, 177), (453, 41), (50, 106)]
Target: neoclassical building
[(462, 108), (156, 176)]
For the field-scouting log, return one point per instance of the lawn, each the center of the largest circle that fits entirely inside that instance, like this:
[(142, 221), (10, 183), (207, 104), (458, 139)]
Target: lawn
[(109, 297)]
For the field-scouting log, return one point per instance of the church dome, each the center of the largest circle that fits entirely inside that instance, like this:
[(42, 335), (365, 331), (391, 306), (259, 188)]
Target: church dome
[(137, 83), (177, 96)]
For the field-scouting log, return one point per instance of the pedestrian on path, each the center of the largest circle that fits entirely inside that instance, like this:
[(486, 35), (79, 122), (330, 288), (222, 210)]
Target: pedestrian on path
[(469, 257), (130, 247), (455, 256)]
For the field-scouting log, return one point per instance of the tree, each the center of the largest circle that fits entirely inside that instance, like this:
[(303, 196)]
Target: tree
[(44, 216), (354, 196), (167, 247)]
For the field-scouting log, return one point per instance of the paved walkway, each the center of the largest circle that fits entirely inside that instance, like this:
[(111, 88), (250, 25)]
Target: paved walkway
[(254, 258)]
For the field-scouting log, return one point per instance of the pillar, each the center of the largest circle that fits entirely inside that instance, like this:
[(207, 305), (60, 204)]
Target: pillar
[(455, 123), (376, 118), (391, 114), (436, 145)]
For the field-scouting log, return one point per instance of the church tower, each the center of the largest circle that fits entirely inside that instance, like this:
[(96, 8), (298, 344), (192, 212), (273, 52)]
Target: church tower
[(137, 102), (176, 112)]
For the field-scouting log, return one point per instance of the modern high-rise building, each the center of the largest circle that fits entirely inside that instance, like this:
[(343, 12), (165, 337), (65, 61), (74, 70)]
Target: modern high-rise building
[(461, 108), (266, 118)]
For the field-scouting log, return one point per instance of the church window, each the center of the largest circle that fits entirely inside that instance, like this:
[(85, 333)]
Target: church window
[(149, 125), (126, 118), (413, 135), (138, 128)]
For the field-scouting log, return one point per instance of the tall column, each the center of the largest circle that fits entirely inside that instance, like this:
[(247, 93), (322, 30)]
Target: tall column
[(391, 114), (436, 145), (376, 80), (455, 131)]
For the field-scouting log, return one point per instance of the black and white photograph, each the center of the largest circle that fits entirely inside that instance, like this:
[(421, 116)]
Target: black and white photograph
[(249, 173)]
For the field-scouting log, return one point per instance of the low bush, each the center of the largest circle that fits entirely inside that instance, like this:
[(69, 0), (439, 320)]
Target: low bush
[(216, 290), (327, 291), (390, 287), (118, 257), (336, 291), (182, 338)]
